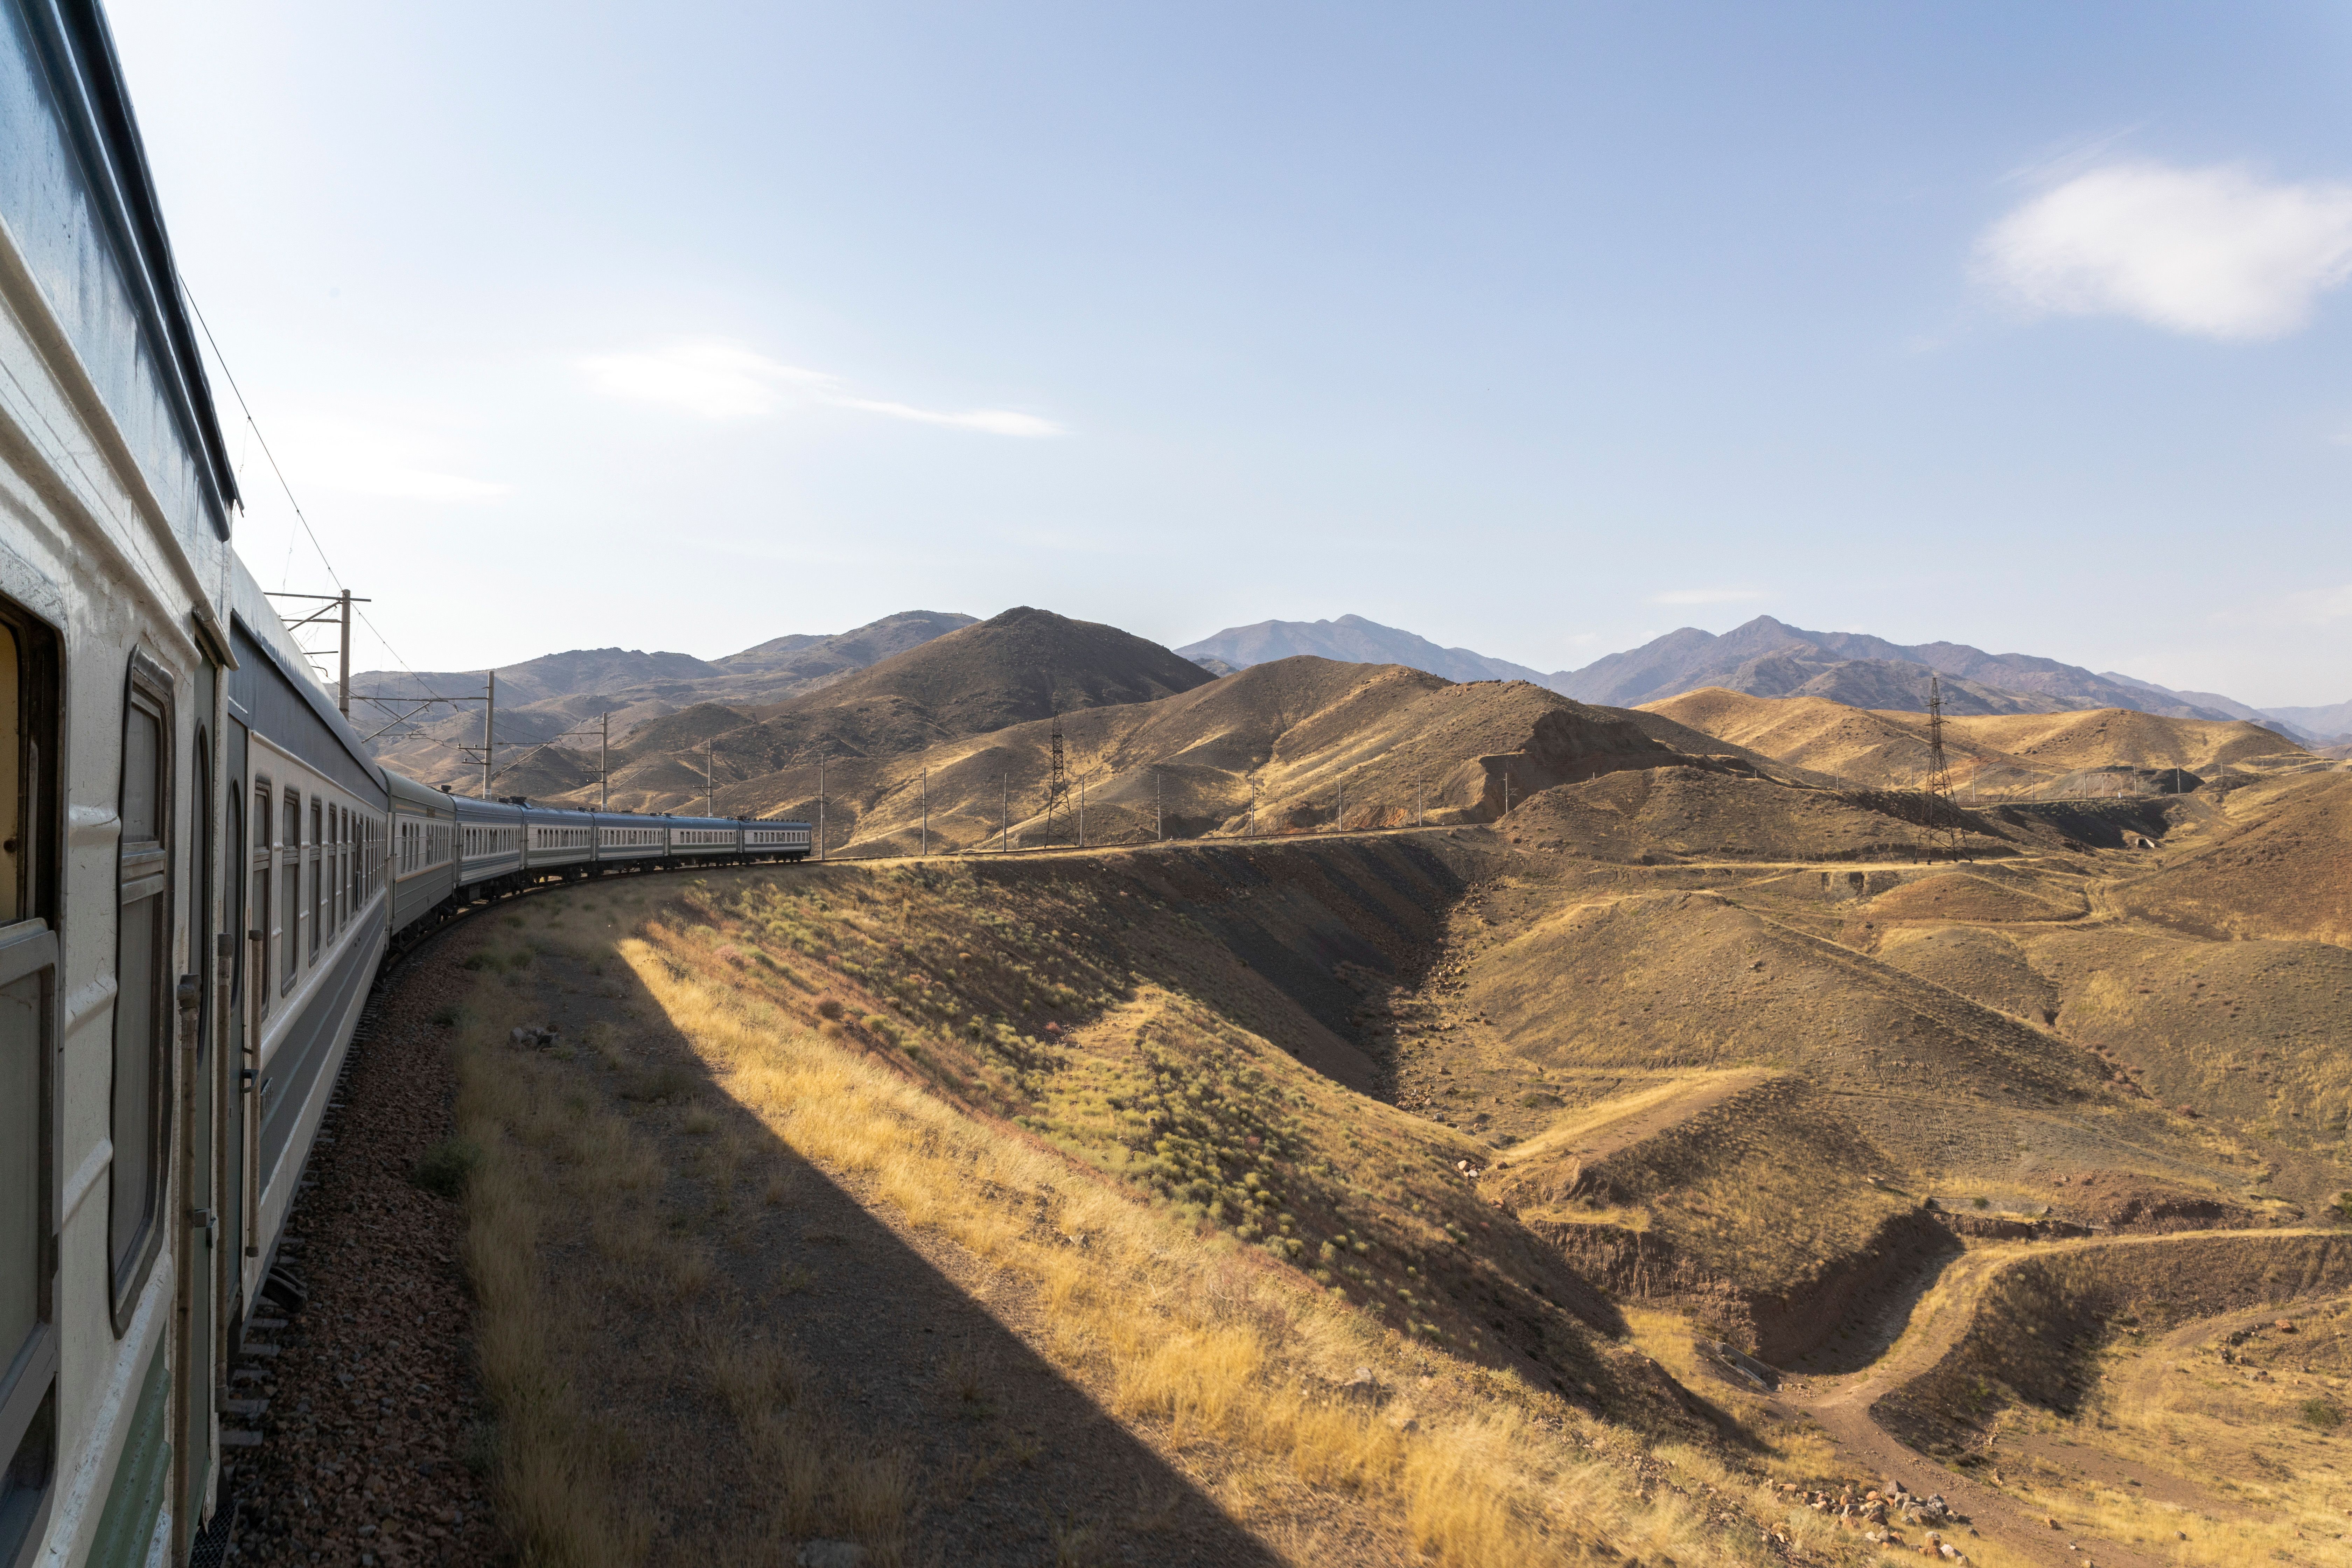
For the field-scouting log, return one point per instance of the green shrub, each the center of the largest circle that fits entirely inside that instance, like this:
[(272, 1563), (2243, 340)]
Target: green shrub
[(2322, 1415), (447, 1166)]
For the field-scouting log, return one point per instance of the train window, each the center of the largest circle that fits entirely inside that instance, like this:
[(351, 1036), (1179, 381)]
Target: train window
[(258, 939), (142, 1012), (28, 949), (289, 892), (317, 844), (342, 866)]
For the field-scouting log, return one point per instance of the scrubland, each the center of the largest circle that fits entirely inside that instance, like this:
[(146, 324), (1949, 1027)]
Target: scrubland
[(1273, 1286), (1369, 1200)]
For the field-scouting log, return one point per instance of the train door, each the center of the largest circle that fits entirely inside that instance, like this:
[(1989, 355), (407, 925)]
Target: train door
[(196, 1367), (246, 816), (30, 814)]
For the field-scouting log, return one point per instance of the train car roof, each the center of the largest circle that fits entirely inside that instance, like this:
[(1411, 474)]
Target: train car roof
[(251, 613), (554, 813), (475, 807), (66, 119)]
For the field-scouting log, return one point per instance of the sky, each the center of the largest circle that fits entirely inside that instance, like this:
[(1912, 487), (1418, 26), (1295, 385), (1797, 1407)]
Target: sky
[(1539, 329)]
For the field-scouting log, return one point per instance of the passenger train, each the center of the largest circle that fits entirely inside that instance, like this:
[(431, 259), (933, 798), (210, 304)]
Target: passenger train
[(201, 868)]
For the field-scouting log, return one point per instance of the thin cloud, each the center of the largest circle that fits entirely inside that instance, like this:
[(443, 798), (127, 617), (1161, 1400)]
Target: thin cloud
[(2319, 604), (995, 421), (722, 381), (2215, 252), (366, 458), (1706, 596)]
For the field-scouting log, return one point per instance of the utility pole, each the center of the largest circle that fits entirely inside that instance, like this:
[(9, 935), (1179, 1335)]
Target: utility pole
[(1507, 792), (1251, 830), (927, 809), (706, 778), (820, 805), (1057, 783), (1003, 812), (1940, 837), (338, 604), (604, 763), (1158, 832), (1419, 789), (1340, 823), (489, 717), (1082, 811)]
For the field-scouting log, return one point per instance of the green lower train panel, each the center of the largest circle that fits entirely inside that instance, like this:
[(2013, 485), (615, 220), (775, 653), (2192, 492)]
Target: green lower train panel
[(128, 1524)]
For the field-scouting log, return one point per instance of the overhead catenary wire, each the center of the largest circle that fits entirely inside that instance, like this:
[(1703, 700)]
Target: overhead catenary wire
[(301, 516)]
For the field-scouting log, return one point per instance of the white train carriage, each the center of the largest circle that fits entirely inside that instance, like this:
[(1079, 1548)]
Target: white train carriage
[(118, 1053), (629, 842), (558, 843), (703, 840), (773, 840), (308, 818), (490, 844), (421, 851)]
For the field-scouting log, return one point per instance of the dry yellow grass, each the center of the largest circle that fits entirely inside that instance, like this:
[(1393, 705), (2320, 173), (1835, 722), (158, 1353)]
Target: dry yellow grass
[(1224, 1360), (555, 1475)]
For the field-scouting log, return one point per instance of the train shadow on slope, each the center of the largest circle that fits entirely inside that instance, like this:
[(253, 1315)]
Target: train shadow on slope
[(747, 1291)]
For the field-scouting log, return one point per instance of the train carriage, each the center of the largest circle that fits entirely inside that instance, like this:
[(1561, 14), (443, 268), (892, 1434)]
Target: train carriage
[(557, 842), (773, 840), (490, 843), (703, 840), (421, 852), (629, 841), (114, 570), (308, 821)]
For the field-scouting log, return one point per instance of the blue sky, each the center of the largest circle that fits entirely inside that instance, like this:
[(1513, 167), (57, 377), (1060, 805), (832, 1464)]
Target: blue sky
[(1540, 331)]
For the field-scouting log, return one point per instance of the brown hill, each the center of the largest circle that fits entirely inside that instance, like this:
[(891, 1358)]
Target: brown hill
[(2273, 858), (1019, 666), (2119, 737), (1301, 737), (1996, 754), (575, 699), (1855, 744), (1663, 815)]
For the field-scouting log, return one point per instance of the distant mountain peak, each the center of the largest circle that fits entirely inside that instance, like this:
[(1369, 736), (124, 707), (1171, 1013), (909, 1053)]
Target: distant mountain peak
[(1351, 639)]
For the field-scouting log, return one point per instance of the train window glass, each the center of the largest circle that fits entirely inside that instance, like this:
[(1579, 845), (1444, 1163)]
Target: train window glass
[(317, 848), (289, 892), (143, 1015), (259, 914), (342, 866)]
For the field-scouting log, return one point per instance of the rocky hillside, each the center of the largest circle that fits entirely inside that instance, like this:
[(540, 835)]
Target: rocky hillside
[(542, 699)]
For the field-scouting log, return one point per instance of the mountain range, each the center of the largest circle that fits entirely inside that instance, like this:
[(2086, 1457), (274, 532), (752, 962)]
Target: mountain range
[(1767, 657), (859, 693), (1351, 639)]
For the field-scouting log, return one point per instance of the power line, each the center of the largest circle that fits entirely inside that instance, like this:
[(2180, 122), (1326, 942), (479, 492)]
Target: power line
[(255, 425), (300, 515)]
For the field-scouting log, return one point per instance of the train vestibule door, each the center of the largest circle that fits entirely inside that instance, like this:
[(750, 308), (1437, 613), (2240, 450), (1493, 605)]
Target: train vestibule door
[(198, 1368)]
